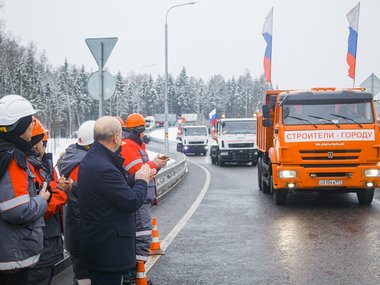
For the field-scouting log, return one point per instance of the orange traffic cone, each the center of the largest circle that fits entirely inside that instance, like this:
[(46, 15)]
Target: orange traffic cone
[(140, 274), (155, 247)]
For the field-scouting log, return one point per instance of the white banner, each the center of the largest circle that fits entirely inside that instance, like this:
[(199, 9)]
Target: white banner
[(329, 135)]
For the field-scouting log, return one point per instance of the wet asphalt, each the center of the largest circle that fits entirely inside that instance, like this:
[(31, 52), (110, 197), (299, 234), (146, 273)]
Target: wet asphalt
[(239, 236)]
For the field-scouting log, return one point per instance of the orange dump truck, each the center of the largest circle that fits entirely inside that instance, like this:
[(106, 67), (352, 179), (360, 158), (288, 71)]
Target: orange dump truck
[(322, 139)]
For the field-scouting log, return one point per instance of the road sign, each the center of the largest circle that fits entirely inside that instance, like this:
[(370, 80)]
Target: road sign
[(99, 46), (109, 85), (372, 84)]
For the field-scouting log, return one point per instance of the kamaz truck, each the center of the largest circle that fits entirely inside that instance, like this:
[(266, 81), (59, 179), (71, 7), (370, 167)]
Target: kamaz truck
[(322, 139), (235, 141), (192, 139)]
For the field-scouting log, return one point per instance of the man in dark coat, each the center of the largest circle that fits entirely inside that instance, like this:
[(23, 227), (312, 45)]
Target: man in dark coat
[(108, 205)]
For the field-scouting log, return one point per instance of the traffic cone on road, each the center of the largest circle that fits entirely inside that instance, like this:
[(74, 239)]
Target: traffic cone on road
[(155, 246), (140, 274)]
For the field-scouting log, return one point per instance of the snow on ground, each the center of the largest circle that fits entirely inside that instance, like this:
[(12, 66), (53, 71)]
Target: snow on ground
[(58, 146), (160, 134)]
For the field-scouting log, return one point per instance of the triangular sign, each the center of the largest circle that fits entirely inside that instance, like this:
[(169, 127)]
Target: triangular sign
[(96, 45)]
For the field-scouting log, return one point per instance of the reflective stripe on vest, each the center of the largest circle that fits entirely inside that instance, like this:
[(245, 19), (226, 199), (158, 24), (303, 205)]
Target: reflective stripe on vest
[(133, 163), (141, 257), (143, 233), (19, 264), (14, 202)]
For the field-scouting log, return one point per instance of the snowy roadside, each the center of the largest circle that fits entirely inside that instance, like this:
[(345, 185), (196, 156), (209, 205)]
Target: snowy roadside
[(58, 146)]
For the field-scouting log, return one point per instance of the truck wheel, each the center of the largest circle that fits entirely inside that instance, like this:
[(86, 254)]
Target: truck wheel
[(265, 187), (213, 160), (365, 196), (279, 196)]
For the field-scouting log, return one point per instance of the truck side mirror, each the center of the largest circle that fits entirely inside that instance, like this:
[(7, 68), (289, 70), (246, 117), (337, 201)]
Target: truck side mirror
[(266, 111), (267, 123)]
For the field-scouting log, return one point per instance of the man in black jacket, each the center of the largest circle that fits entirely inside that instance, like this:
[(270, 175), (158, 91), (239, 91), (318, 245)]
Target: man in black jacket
[(108, 205)]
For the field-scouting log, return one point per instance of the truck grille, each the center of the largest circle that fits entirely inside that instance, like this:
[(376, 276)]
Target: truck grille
[(330, 174), (197, 142), (330, 155), (240, 145)]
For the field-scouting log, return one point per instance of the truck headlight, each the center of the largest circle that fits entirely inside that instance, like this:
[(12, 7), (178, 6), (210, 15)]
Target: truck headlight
[(372, 172), (224, 153), (287, 174)]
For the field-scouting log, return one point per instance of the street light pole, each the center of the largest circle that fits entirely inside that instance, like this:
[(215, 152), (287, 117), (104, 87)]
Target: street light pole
[(138, 85), (166, 123)]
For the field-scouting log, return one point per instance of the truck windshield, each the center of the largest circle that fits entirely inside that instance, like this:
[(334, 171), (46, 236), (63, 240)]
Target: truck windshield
[(196, 132), (328, 114), (239, 127)]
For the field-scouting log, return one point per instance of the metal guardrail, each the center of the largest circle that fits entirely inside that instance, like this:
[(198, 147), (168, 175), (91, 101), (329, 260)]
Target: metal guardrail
[(170, 176)]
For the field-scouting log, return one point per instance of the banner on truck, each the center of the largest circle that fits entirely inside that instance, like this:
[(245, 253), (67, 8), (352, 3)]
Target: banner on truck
[(329, 135)]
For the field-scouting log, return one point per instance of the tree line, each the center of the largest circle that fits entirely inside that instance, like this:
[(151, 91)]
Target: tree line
[(61, 95)]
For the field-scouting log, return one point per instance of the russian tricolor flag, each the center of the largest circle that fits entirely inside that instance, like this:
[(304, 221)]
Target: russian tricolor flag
[(267, 34), (353, 21), (212, 116)]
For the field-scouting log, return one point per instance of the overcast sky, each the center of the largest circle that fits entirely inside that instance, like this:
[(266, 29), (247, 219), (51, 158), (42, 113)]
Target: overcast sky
[(208, 38)]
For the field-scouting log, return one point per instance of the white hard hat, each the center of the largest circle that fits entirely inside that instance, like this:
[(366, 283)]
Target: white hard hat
[(13, 108), (86, 133)]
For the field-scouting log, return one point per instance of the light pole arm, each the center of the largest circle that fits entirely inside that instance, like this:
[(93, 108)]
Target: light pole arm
[(175, 6)]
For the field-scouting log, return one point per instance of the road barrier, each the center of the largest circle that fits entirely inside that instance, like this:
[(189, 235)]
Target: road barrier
[(168, 177)]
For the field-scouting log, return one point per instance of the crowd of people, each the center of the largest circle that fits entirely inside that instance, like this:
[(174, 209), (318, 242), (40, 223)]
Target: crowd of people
[(100, 201)]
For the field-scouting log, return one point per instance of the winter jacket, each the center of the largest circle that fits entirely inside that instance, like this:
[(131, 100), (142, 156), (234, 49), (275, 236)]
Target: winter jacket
[(53, 244), (21, 211), (135, 155), (69, 167), (107, 211)]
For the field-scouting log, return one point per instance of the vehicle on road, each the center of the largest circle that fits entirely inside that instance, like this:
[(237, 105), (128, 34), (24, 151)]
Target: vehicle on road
[(322, 139), (193, 139), (150, 123), (235, 141)]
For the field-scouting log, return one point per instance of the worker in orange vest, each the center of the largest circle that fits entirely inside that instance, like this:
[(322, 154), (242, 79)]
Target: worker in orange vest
[(135, 155)]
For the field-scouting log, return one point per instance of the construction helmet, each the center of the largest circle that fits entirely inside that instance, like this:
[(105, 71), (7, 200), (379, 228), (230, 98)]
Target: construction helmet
[(12, 109), (135, 120), (38, 128), (86, 133), (38, 132)]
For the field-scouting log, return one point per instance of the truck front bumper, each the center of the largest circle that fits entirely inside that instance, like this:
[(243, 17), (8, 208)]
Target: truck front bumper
[(195, 148), (344, 179), (239, 155)]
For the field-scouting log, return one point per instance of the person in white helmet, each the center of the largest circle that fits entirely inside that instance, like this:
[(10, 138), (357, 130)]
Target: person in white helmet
[(21, 205), (69, 166)]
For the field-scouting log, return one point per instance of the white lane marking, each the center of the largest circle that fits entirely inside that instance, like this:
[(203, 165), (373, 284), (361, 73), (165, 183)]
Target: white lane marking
[(179, 226)]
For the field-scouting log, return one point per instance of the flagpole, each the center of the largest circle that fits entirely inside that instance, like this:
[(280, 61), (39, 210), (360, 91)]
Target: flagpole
[(357, 40)]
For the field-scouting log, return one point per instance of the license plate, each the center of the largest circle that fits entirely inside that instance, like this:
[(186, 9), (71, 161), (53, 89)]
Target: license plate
[(330, 182)]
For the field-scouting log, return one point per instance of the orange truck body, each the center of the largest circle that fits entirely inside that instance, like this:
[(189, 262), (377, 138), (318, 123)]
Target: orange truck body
[(318, 150)]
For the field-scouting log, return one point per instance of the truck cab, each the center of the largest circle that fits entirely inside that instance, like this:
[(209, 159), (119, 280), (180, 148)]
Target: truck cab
[(150, 123), (193, 139), (235, 141)]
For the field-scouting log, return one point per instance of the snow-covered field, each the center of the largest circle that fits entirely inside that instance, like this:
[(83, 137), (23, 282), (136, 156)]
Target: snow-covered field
[(59, 145)]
